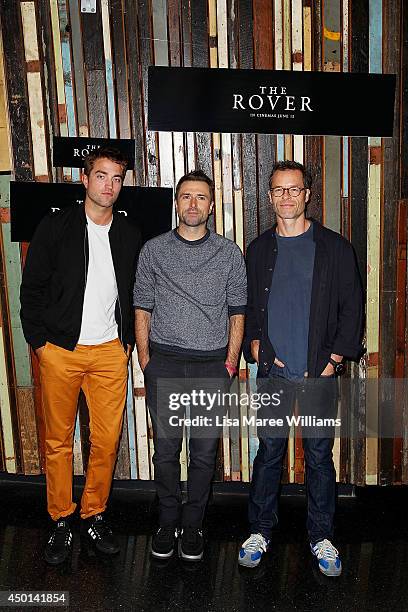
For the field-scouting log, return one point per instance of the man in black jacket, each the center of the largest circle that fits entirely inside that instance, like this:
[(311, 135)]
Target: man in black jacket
[(76, 312), (304, 317)]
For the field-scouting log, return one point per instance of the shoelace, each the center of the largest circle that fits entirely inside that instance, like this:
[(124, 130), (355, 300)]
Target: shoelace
[(62, 531), (190, 534), (165, 532), (100, 527), (255, 542), (326, 550)]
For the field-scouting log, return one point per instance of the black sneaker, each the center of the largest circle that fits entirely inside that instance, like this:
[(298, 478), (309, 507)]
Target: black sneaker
[(164, 542), (59, 544), (100, 535), (191, 544)]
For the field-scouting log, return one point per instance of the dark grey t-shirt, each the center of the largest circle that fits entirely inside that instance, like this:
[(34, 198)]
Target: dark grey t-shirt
[(289, 303)]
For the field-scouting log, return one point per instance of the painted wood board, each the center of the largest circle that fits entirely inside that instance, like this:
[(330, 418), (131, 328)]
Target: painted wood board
[(391, 63), (78, 449), (65, 38), (5, 157), (34, 88), (123, 65), (37, 126), (135, 92), (131, 421), (244, 435), (9, 378), (145, 60), (307, 37), (13, 282), (78, 71), (142, 442), (107, 48), (228, 200), (278, 34), (332, 182), (287, 34), (17, 102), (400, 340), (28, 431), (50, 96), (59, 76), (332, 35), (404, 429), (122, 470), (404, 102), (5, 412), (297, 35), (95, 73), (246, 60)]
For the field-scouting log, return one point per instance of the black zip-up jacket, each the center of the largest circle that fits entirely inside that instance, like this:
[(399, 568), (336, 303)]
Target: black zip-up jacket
[(54, 278), (336, 307)]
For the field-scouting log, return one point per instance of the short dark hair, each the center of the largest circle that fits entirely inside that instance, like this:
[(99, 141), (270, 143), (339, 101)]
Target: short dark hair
[(105, 152), (196, 175), (292, 165)]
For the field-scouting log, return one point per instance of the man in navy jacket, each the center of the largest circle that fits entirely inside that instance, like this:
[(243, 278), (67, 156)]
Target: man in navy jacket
[(304, 318)]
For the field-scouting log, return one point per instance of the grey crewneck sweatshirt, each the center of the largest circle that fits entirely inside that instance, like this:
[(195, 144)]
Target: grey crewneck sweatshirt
[(190, 287)]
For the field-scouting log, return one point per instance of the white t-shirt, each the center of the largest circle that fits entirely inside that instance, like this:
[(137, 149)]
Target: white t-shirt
[(101, 292)]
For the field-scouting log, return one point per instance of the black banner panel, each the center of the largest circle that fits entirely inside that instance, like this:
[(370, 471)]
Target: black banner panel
[(270, 102), (149, 207), (70, 152)]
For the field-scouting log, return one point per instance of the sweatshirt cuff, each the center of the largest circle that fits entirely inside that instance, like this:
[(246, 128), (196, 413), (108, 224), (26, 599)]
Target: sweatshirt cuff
[(236, 310), (137, 307)]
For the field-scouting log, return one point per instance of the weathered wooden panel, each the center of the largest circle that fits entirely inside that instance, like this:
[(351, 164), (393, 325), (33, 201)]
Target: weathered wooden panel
[(68, 73), (17, 100), (404, 100), (391, 59)]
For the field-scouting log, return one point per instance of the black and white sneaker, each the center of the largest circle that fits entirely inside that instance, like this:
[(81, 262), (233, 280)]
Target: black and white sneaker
[(191, 544), (100, 535), (164, 542), (59, 543)]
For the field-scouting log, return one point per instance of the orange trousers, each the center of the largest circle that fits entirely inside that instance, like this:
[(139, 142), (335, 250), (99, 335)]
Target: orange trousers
[(101, 372)]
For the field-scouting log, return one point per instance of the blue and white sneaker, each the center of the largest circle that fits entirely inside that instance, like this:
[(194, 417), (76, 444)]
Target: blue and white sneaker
[(252, 550), (328, 558)]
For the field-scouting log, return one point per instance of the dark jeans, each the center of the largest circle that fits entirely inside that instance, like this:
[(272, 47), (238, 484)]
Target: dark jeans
[(317, 398), (165, 375)]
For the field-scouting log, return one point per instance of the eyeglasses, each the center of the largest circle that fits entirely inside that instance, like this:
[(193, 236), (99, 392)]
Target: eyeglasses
[(293, 191)]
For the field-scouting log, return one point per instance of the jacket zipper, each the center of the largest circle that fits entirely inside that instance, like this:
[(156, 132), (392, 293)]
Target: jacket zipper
[(117, 287), (120, 314)]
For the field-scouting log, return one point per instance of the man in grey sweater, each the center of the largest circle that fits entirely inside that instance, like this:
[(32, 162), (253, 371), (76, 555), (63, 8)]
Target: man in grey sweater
[(190, 297)]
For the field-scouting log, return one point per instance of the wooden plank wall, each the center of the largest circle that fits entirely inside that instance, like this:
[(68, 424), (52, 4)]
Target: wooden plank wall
[(73, 74)]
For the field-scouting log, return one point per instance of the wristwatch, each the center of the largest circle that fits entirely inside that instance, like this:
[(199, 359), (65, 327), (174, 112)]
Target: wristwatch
[(339, 366)]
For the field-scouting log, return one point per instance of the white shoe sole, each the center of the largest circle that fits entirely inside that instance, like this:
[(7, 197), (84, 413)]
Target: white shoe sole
[(335, 575), (162, 555), (183, 555), (248, 563)]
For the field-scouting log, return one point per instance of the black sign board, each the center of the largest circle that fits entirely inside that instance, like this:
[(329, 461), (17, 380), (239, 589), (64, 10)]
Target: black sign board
[(149, 207), (70, 152), (270, 101)]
